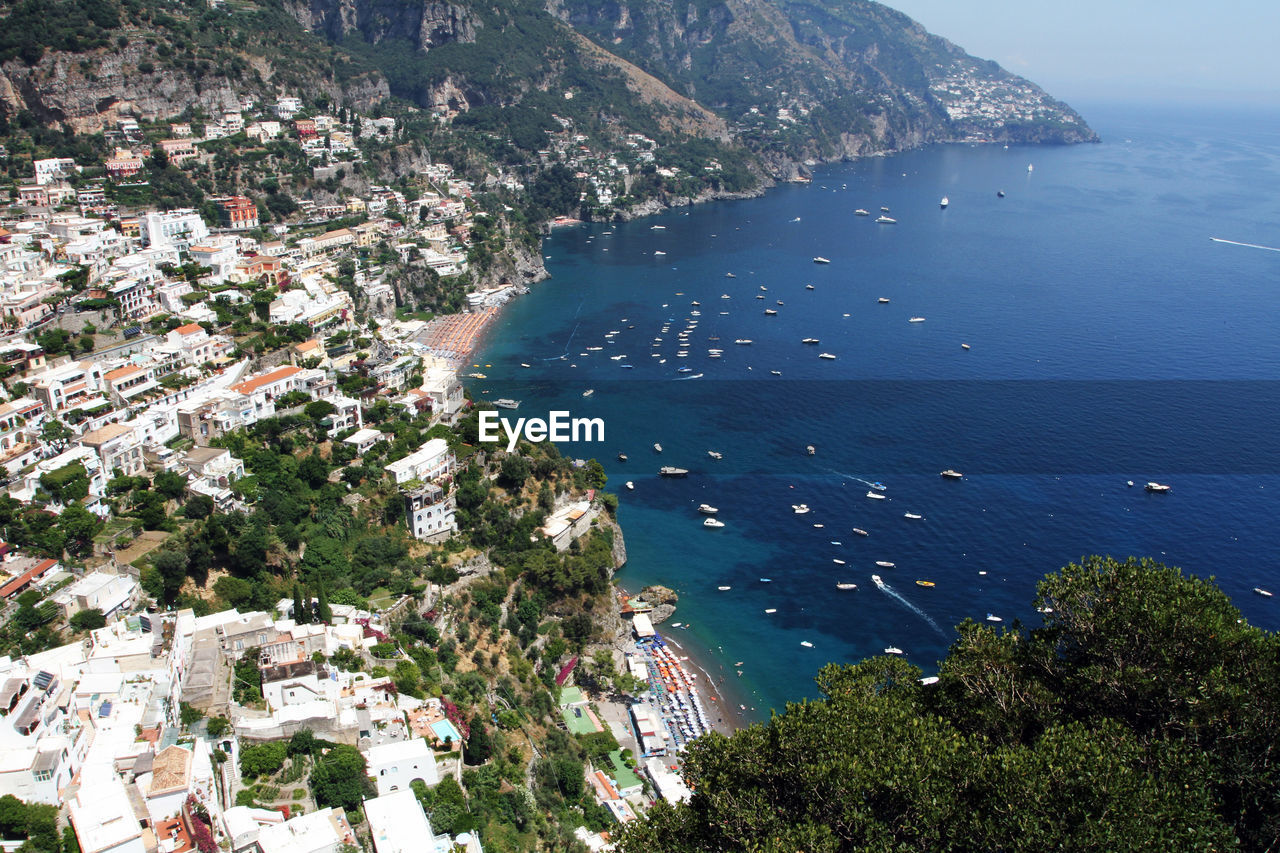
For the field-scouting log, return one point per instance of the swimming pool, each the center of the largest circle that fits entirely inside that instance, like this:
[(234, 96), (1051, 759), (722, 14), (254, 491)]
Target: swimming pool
[(446, 731)]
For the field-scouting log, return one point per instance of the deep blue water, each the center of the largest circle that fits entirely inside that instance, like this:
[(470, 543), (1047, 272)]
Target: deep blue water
[(1111, 340)]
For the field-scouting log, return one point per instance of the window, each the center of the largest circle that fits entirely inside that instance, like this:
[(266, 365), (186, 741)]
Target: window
[(43, 775)]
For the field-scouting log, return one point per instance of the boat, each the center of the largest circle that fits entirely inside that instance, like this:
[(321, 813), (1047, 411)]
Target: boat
[(806, 644), (506, 403), (999, 193), (846, 586), (712, 522), (622, 457), (860, 531), (729, 275), (617, 357), (776, 372), (1030, 167), (595, 349), (951, 474), (743, 341), (884, 209), (883, 300), (780, 302), (477, 376), (875, 496), (1262, 592), (964, 346), (943, 204), (885, 564), (725, 296), (808, 287), (925, 583), (707, 509), (886, 220), (715, 454), (838, 562), (799, 509), (875, 579), (810, 449), (770, 312), (821, 260), (630, 485), (672, 471), (657, 228), (1157, 488), (809, 340), (522, 364), (912, 515), (991, 617), (684, 369), (659, 253), (916, 320), (819, 526), (759, 296), (861, 212), (657, 447), (827, 356), (879, 487), (892, 650), (766, 580), (588, 392)]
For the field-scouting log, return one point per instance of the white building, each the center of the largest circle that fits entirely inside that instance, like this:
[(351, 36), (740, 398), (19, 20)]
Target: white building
[(47, 171), (97, 590), (394, 765), (104, 820), (324, 831), (431, 461), (180, 229), (429, 512)]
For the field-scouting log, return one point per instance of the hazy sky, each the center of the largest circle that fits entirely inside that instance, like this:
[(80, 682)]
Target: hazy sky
[(1163, 50)]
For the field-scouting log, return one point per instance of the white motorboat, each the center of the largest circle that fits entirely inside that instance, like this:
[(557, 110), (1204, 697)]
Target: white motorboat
[(715, 454), (799, 509), (522, 364), (846, 586), (875, 496), (943, 204), (808, 287), (657, 447), (916, 320), (724, 588), (837, 561), (771, 610), (1157, 488), (883, 300), (630, 485), (885, 564), (770, 312), (712, 522), (821, 260), (886, 220), (951, 474), (707, 509), (809, 340), (743, 341), (991, 617), (912, 515), (861, 212), (860, 531), (828, 356), (776, 372), (964, 346), (806, 644), (892, 650), (1262, 592), (588, 392)]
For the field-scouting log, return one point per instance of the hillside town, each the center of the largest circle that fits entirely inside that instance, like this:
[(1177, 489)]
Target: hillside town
[(146, 350)]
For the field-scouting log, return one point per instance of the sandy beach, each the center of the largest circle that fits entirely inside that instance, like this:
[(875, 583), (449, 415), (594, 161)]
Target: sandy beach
[(456, 336)]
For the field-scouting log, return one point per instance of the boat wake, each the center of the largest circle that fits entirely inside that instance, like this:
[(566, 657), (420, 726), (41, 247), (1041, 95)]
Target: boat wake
[(893, 593), (868, 483), (569, 342), (1246, 245)]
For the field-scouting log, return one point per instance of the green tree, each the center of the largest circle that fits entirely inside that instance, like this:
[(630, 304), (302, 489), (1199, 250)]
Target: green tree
[(171, 566), (170, 484), (339, 779), (198, 507), (79, 527), (87, 620), (479, 746)]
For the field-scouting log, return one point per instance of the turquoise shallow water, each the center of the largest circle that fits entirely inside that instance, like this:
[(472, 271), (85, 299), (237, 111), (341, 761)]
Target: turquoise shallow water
[(1111, 340)]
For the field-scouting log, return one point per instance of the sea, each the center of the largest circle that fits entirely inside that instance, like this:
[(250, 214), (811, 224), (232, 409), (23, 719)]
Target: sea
[(1119, 303)]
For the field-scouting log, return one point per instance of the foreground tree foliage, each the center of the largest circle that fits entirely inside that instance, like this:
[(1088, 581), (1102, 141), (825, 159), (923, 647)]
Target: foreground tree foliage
[(1144, 715)]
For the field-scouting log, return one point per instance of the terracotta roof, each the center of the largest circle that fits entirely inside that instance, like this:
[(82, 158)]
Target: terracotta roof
[(122, 372), (26, 577), (104, 434), (251, 385), (189, 329), (171, 771)]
